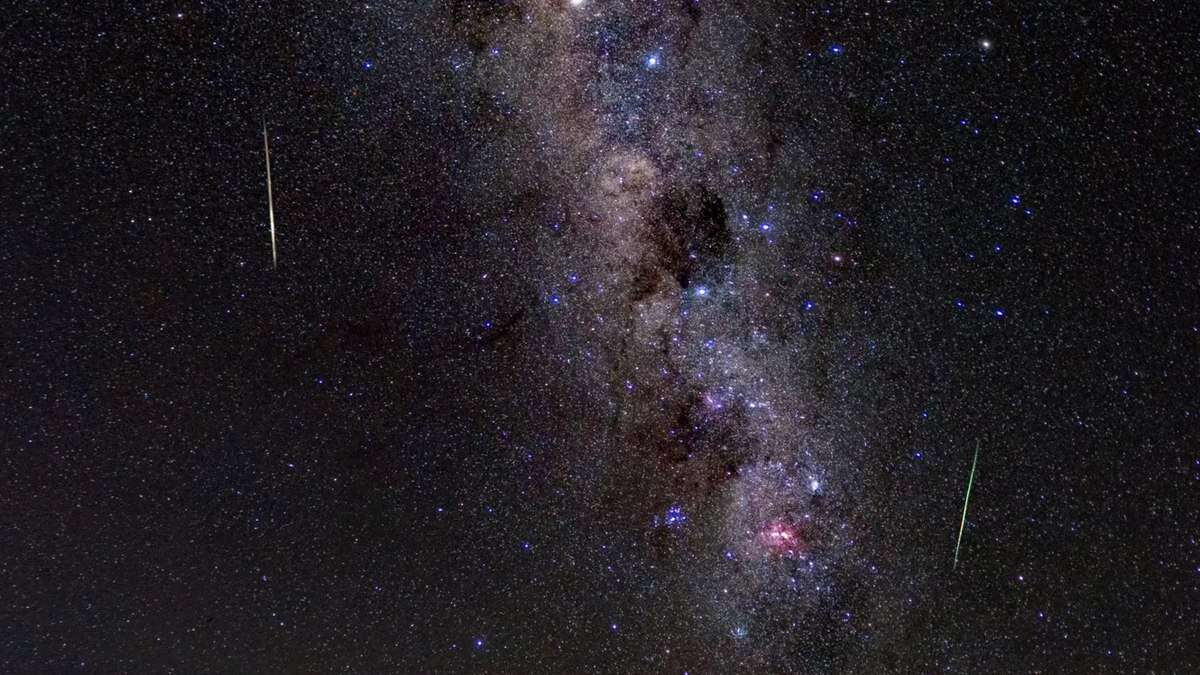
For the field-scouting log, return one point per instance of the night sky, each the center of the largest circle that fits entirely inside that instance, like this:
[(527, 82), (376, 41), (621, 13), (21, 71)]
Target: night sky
[(607, 336)]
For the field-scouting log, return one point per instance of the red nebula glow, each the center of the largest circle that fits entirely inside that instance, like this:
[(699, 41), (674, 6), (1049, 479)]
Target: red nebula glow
[(782, 538)]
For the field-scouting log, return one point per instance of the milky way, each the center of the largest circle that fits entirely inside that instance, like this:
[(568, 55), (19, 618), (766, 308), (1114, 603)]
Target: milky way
[(690, 251)]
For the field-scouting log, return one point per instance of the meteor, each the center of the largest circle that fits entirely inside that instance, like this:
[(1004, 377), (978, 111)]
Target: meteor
[(270, 198), (967, 500)]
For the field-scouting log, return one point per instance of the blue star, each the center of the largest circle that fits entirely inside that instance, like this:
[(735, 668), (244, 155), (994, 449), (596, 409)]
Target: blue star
[(999, 312), (367, 65), (836, 49), (1015, 200), (653, 60)]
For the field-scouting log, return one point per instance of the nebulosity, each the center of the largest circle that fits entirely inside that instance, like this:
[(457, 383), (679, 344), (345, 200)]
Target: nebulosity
[(706, 438)]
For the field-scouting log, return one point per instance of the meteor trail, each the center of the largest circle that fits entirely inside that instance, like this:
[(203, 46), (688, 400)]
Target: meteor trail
[(967, 500), (270, 199)]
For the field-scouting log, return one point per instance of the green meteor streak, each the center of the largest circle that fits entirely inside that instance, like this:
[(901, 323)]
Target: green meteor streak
[(967, 500)]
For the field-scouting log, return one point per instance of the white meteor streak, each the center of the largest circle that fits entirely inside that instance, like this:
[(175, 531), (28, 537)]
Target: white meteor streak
[(270, 198), (967, 500)]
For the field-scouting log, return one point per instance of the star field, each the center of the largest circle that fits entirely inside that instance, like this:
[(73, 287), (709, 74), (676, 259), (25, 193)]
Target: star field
[(607, 336)]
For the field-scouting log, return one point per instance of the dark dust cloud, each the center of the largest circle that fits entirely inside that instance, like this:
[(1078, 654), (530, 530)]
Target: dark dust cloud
[(608, 336)]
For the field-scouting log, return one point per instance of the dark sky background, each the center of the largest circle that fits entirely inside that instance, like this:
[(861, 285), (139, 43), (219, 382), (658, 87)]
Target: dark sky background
[(606, 337)]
